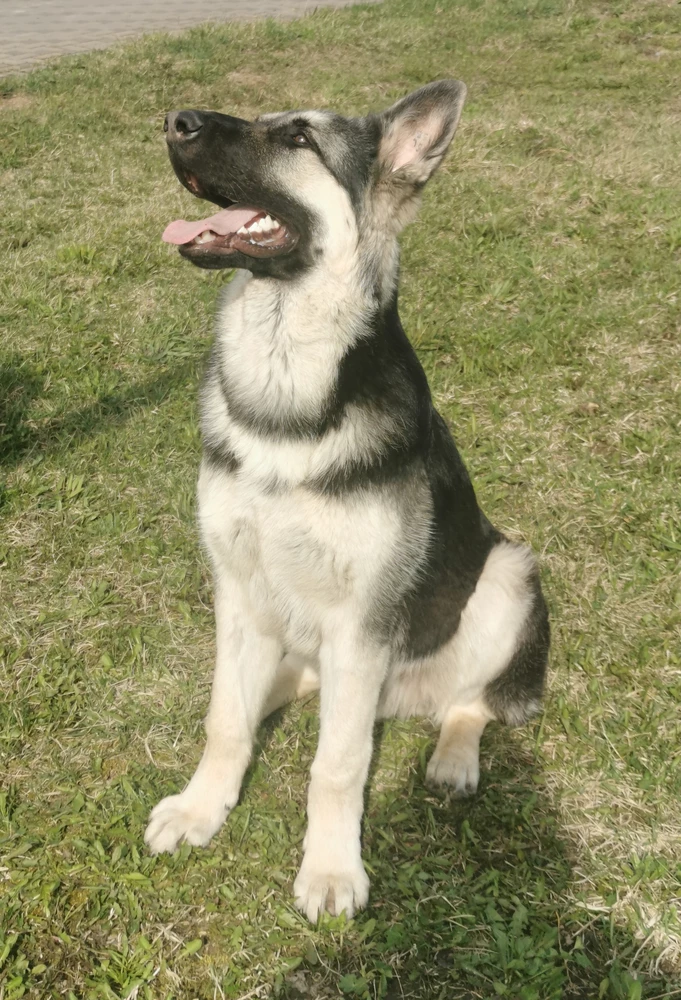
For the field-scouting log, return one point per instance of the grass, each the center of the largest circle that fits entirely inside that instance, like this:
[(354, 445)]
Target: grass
[(541, 287)]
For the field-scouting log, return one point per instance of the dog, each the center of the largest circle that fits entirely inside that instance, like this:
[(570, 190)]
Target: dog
[(348, 550)]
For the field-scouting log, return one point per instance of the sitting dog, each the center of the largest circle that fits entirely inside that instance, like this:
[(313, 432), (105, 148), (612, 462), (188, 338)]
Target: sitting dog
[(347, 547)]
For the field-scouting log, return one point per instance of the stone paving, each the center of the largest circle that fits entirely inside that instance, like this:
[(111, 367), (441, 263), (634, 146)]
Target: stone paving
[(35, 30)]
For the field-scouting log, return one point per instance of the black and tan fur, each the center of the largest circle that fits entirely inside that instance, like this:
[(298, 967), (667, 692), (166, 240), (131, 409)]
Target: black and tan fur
[(348, 549)]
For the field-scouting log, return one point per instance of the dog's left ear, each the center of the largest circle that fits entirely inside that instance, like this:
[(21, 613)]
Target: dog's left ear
[(417, 131)]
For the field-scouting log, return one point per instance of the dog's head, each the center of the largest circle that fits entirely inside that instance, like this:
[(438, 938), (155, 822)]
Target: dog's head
[(300, 187)]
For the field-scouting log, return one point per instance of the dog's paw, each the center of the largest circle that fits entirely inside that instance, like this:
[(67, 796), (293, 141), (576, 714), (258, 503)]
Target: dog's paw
[(456, 771), (182, 818), (336, 892)]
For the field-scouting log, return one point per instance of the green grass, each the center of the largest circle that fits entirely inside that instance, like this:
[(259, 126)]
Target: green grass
[(541, 287)]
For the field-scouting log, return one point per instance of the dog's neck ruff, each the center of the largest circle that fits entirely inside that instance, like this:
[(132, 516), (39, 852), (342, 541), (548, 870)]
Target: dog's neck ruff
[(313, 383), (280, 345)]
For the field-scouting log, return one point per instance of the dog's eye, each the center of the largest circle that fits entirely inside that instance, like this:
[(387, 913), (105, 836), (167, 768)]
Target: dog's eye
[(301, 140)]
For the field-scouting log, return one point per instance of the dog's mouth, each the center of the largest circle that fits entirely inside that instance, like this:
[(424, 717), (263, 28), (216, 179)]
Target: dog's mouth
[(239, 228)]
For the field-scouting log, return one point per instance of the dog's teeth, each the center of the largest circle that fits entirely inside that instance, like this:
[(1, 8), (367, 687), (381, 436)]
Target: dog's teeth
[(256, 227), (268, 224), (206, 237), (243, 231)]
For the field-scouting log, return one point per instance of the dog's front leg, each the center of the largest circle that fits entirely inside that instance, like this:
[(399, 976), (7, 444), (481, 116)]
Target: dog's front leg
[(332, 875), (245, 666)]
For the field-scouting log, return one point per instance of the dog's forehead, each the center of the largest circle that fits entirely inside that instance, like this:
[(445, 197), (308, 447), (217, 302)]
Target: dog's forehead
[(312, 117)]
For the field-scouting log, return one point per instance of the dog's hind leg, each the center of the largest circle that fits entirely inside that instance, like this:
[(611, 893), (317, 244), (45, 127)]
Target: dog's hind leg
[(455, 762), (494, 666), (244, 671), (295, 678)]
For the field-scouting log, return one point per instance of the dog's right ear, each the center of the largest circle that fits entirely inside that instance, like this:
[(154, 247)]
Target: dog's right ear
[(417, 131)]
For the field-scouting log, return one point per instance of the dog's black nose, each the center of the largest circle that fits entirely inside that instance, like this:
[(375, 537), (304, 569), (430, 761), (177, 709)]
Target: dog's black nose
[(181, 126)]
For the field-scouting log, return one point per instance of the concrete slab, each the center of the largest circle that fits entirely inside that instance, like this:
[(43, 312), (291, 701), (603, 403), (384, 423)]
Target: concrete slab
[(36, 30)]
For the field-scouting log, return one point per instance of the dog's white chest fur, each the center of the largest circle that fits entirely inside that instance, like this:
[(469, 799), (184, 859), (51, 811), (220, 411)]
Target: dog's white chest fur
[(297, 556)]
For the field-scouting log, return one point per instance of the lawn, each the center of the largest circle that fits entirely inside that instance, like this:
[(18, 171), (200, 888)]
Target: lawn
[(541, 286)]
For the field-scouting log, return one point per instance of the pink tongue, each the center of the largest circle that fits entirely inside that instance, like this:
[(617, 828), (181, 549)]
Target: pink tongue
[(229, 220)]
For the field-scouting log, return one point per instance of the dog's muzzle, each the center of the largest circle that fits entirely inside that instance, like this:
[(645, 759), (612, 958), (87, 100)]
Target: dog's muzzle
[(244, 227)]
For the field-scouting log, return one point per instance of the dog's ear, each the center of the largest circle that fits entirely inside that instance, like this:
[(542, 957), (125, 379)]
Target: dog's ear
[(416, 132)]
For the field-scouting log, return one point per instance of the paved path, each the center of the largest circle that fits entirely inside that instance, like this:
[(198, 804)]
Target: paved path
[(34, 30)]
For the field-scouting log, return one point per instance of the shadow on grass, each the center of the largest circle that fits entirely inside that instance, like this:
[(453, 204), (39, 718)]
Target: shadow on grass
[(469, 899), (473, 898), (21, 384)]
